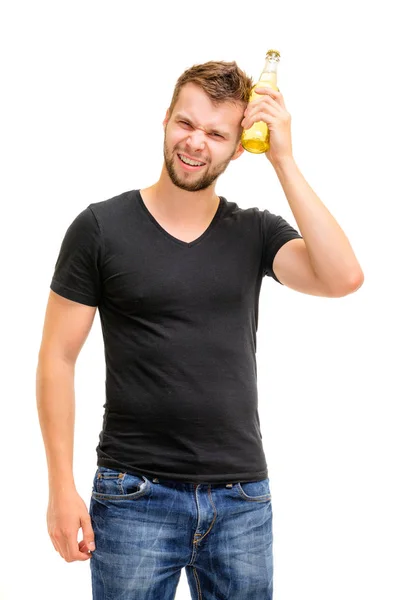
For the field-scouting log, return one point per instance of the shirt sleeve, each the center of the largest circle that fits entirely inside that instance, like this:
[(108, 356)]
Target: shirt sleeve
[(77, 272), (276, 232)]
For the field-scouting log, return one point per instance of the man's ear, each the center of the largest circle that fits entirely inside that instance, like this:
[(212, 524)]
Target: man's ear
[(239, 151), (166, 118)]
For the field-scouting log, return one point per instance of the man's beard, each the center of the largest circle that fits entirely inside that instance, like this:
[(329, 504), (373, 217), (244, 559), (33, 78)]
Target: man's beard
[(204, 181)]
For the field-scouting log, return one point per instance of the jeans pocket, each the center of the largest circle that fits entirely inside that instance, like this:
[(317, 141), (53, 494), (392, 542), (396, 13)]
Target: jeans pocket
[(110, 484), (255, 491)]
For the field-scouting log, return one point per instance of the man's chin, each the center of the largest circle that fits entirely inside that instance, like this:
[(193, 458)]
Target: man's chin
[(189, 187), (193, 186)]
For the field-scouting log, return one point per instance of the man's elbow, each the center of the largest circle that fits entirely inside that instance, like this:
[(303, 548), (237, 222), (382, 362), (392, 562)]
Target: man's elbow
[(352, 285)]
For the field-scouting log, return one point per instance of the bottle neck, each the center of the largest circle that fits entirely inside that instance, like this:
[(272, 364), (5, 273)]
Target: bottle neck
[(270, 71)]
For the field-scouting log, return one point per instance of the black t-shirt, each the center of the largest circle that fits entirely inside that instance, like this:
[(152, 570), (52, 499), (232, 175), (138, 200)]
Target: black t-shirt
[(179, 323)]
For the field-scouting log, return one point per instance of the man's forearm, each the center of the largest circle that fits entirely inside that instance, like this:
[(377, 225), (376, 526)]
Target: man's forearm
[(55, 397)]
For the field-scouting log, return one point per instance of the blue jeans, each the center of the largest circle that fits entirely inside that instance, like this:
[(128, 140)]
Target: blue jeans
[(147, 530)]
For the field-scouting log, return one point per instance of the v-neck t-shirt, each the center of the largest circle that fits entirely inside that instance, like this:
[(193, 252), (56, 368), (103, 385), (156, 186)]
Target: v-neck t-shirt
[(179, 322)]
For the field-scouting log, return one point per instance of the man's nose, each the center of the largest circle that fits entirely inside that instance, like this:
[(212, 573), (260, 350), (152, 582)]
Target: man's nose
[(196, 139)]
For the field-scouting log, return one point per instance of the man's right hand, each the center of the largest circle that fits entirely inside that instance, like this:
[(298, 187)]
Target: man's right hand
[(66, 514)]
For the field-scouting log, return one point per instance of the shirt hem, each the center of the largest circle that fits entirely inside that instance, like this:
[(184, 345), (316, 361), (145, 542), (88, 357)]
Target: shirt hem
[(281, 243), (216, 479), (66, 292)]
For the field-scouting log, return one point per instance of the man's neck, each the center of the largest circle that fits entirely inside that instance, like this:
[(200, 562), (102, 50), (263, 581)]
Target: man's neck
[(179, 205)]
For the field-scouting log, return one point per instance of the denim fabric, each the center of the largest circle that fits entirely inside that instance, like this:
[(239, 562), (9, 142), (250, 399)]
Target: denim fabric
[(147, 530)]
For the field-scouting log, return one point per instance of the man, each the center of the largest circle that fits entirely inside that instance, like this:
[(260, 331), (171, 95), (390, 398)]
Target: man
[(175, 271)]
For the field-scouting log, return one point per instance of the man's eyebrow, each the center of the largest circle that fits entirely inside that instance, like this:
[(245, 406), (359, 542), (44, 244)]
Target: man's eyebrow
[(212, 130)]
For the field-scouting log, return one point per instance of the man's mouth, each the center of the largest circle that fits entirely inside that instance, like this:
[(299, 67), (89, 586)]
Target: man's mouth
[(191, 164)]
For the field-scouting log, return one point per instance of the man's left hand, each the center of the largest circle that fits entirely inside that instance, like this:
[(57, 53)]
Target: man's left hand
[(270, 108)]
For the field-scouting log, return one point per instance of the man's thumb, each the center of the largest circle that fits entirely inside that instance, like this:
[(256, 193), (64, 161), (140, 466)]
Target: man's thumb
[(88, 534)]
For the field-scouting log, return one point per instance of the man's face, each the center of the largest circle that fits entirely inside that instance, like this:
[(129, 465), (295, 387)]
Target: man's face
[(200, 131)]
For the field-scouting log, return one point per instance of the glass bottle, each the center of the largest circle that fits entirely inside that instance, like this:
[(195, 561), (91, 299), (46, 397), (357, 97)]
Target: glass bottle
[(256, 139)]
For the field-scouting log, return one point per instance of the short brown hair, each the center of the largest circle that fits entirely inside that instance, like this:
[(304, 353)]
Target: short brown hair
[(221, 81)]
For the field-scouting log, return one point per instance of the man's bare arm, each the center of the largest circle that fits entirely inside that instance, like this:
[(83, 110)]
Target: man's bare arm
[(66, 327)]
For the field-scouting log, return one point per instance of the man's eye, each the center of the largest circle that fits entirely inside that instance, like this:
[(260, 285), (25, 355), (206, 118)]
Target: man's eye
[(189, 125)]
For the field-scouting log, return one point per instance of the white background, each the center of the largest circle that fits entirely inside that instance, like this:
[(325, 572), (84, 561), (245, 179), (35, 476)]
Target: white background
[(85, 89)]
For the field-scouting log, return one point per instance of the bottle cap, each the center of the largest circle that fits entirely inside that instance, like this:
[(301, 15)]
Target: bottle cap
[(271, 54)]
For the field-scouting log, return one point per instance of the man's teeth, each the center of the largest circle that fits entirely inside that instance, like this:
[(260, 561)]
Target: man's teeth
[(193, 163)]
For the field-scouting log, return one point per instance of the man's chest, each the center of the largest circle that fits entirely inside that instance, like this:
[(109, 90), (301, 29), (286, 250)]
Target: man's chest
[(161, 274)]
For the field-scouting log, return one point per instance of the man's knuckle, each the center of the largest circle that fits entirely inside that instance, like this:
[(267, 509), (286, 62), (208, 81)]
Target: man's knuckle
[(86, 519), (67, 532)]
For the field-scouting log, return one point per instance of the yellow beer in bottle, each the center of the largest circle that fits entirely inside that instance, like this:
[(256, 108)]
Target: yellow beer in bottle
[(256, 139)]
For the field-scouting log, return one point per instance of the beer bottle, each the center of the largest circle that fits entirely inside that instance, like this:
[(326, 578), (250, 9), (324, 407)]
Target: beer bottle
[(256, 139)]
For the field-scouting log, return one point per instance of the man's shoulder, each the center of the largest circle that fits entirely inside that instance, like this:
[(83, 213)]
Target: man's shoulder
[(115, 206), (112, 204), (241, 212)]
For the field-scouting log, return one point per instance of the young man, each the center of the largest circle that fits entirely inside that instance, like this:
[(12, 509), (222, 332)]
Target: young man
[(175, 271)]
